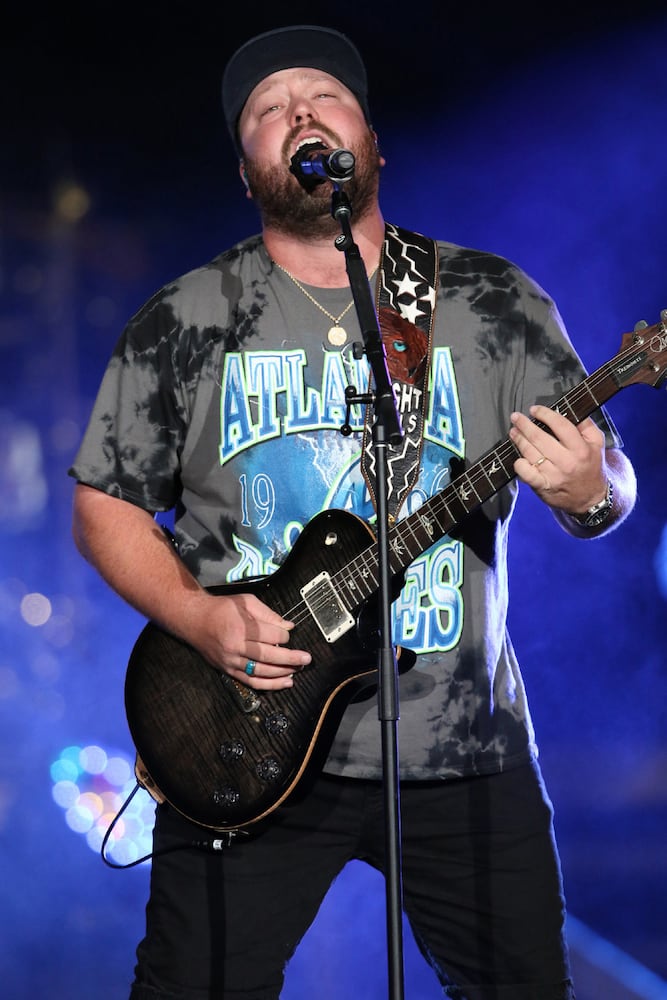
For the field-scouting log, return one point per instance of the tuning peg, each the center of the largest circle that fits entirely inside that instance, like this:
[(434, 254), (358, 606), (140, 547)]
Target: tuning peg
[(640, 325), (663, 315)]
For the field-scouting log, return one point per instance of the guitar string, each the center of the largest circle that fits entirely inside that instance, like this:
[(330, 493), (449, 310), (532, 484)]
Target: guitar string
[(504, 451)]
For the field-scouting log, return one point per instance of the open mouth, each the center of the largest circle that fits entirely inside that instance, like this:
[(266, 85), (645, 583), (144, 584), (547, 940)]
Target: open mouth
[(309, 144), (313, 143)]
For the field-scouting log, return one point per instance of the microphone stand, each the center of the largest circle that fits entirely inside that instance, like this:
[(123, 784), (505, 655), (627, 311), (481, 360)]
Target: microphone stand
[(387, 431)]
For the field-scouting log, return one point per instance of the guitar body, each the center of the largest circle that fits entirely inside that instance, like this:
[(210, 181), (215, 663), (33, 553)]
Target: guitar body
[(223, 754)]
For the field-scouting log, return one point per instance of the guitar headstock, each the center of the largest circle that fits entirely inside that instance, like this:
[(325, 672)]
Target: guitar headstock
[(643, 354)]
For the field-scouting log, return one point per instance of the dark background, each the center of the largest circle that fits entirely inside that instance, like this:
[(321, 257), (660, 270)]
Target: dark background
[(538, 134)]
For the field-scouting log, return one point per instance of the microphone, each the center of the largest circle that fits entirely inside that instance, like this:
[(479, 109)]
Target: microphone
[(335, 165)]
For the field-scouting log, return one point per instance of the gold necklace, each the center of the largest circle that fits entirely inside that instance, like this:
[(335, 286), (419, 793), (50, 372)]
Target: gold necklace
[(337, 334)]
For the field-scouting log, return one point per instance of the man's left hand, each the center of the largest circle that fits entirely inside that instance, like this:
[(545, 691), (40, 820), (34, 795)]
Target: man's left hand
[(563, 463)]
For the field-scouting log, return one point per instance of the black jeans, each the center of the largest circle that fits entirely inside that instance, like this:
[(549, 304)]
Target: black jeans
[(481, 888)]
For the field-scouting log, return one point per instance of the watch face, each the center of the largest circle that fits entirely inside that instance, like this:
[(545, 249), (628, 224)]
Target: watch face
[(598, 516), (593, 520), (600, 511)]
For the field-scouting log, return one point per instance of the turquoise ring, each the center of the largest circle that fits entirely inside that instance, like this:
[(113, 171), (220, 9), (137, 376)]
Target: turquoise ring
[(250, 667)]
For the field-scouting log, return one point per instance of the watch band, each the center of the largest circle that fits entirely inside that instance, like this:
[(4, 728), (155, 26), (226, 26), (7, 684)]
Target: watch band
[(599, 512)]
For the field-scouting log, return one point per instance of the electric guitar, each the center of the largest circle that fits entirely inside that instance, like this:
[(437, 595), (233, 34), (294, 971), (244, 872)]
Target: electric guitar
[(226, 756)]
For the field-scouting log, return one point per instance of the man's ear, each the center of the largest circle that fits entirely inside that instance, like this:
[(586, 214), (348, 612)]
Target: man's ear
[(244, 178), (377, 147)]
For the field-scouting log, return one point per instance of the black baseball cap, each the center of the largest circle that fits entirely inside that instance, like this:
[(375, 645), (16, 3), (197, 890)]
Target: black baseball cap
[(283, 48)]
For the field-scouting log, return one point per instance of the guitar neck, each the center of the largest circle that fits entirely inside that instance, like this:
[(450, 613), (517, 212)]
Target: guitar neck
[(412, 536), (493, 471)]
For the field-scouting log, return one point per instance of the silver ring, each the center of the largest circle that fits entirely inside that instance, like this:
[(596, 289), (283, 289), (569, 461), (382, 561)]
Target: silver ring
[(250, 667), (539, 461)]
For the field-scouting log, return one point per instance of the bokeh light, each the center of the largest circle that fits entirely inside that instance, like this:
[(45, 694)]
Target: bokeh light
[(91, 787)]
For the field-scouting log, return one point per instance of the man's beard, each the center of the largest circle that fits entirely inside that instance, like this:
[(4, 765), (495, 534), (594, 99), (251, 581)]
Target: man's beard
[(286, 206)]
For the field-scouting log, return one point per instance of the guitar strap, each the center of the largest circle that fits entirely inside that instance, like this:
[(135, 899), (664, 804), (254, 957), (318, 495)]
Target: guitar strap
[(405, 302)]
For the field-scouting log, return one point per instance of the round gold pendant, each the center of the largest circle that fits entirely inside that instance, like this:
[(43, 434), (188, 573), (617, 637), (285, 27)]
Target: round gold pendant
[(337, 336)]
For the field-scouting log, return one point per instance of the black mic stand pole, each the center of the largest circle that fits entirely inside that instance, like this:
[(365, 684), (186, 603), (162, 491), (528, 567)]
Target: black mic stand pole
[(386, 430)]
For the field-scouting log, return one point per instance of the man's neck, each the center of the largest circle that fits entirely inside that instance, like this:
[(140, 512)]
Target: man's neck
[(317, 261)]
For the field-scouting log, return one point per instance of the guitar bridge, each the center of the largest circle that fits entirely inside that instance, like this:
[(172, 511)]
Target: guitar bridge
[(332, 617)]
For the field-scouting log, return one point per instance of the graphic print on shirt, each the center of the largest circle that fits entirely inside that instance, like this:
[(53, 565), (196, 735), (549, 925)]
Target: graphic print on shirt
[(280, 434)]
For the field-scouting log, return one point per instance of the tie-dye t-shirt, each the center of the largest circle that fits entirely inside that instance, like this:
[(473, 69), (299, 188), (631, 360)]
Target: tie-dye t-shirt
[(224, 402)]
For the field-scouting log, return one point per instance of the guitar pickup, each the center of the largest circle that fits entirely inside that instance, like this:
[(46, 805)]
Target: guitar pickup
[(332, 617)]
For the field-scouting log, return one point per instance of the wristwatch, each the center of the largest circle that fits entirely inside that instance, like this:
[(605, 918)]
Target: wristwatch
[(599, 512)]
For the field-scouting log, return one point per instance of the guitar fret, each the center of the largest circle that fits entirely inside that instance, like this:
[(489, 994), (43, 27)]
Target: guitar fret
[(566, 410), (457, 502), (463, 491), (471, 484), (565, 403), (494, 469), (401, 543), (360, 577), (398, 550), (450, 520)]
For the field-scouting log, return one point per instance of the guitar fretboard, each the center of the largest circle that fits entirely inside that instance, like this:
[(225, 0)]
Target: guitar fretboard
[(412, 536)]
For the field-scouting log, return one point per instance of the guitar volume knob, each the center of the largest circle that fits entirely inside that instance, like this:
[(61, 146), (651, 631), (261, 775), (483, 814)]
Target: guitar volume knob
[(231, 750), (268, 770), (226, 796), (276, 723)]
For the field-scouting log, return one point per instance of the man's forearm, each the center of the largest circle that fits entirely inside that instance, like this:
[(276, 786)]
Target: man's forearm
[(135, 557)]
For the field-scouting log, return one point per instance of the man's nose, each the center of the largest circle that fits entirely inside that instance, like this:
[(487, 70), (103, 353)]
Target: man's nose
[(302, 111)]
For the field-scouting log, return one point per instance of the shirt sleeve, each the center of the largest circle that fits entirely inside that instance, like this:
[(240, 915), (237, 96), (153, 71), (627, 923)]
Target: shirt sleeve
[(552, 363), (132, 444)]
